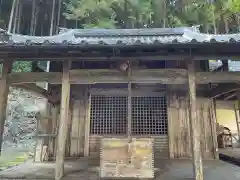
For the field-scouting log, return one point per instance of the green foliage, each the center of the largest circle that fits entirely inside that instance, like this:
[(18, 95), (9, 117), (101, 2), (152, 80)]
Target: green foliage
[(93, 13), (22, 66), (234, 6), (214, 16)]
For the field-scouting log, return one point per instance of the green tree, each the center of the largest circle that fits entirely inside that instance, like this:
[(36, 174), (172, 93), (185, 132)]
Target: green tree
[(92, 13)]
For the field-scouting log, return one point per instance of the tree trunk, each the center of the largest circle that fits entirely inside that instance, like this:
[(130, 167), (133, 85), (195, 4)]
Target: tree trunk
[(207, 28), (52, 18), (19, 17), (1, 2), (12, 16), (159, 17), (16, 16), (238, 22), (226, 27), (126, 23), (213, 21), (165, 14), (33, 20), (129, 23), (59, 15)]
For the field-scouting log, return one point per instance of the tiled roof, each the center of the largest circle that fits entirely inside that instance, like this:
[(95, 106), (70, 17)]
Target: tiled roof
[(146, 36)]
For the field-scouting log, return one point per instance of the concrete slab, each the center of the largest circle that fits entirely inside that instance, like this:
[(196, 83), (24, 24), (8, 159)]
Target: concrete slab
[(88, 169)]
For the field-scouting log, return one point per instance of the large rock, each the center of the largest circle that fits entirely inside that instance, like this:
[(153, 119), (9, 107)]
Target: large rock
[(21, 122)]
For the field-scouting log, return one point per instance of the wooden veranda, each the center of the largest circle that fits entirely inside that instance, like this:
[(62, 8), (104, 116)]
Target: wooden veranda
[(183, 50)]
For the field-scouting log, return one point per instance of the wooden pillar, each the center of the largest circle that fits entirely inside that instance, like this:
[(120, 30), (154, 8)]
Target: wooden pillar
[(4, 90), (238, 114), (87, 125), (63, 124), (194, 125)]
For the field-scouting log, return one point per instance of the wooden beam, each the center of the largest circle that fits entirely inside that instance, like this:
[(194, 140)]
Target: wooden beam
[(194, 125), (59, 53), (4, 90), (33, 77), (217, 77), (87, 76), (63, 124)]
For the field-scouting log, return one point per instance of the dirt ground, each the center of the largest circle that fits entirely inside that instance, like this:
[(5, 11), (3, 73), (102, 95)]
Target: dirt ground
[(88, 169)]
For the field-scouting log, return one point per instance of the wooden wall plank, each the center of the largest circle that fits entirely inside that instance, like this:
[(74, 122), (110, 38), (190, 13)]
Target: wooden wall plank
[(52, 144), (75, 128), (178, 119), (213, 123), (83, 117), (69, 129)]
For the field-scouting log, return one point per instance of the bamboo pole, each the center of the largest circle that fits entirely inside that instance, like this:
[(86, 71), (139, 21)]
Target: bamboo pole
[(4, 90), (194, 125), (63, 124)]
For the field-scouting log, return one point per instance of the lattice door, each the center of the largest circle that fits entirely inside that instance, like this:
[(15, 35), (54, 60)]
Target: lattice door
[(149, 115), (109, 115)]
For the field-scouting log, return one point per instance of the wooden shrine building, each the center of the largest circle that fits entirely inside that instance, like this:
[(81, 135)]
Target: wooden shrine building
[(118, 82)]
